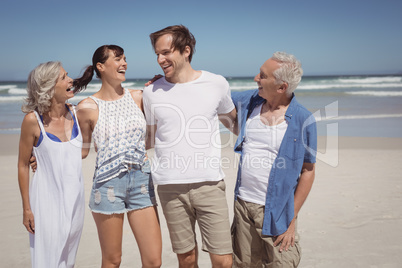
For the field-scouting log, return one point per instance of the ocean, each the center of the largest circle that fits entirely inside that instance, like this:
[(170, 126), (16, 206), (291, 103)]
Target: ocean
[(360, 106)]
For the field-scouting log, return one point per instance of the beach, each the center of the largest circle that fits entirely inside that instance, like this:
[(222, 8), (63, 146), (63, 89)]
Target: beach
[(352, 217)]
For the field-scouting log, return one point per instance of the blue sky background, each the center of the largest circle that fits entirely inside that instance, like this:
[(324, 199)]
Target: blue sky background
[(233, 37)]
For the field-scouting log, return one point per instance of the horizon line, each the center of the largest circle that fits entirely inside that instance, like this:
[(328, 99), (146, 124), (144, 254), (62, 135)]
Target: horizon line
[(252, 76)]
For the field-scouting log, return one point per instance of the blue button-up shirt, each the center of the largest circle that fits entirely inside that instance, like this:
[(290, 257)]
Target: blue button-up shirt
[(299, 145)]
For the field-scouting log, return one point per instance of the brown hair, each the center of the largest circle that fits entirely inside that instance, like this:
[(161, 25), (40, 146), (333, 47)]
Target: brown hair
[(101, 55), (181, 38)]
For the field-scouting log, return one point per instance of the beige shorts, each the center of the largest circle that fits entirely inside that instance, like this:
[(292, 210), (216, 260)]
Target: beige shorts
[(205, 202), (253, 249)]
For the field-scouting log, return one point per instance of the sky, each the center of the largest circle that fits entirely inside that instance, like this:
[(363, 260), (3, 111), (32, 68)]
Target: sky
[(234, 38)]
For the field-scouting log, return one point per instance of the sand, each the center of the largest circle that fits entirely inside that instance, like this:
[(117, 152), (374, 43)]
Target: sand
[(352, 217)]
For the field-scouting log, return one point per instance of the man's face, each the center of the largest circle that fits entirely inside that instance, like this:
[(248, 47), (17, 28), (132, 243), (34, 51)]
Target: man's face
[(170, 60), (266, 81)]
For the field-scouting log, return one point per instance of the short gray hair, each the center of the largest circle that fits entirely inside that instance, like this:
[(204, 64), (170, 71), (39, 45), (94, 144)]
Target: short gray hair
[(40, 87), (290, 70)]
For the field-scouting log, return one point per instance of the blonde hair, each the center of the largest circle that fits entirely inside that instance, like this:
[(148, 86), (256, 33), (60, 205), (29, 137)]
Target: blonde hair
[(40, 87)]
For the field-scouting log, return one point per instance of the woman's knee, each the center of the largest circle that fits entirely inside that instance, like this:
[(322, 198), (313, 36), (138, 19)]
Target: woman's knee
[(112, 260), (154, 262)]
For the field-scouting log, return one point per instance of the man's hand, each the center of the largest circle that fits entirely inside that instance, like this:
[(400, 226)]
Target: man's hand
[(32, 163), (156, 77), (287, 238)]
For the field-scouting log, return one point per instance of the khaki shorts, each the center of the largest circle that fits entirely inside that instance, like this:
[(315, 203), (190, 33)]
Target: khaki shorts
[(252, 248), (205, 202)]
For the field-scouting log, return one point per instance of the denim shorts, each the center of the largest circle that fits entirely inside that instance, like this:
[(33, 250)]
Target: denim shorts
[(131, 190)]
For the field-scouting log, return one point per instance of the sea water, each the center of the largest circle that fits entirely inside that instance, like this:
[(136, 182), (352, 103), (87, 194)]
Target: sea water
[(366, 106)]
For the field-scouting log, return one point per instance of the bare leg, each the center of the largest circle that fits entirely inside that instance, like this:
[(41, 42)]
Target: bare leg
[(145, 225), (110, 231), (221, 261), (189, 259)]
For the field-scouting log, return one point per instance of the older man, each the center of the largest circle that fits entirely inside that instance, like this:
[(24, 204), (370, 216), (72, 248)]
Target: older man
[(277, 143)]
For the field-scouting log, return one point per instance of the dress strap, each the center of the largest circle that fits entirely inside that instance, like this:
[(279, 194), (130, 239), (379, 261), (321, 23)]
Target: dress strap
[(42, 128), (75, 115)]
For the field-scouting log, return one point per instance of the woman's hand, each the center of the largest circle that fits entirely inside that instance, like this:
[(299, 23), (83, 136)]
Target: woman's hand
[(156, 77), (28, 221)]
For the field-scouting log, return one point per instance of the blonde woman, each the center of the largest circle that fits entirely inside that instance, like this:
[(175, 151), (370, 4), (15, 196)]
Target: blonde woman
[(53, 202)]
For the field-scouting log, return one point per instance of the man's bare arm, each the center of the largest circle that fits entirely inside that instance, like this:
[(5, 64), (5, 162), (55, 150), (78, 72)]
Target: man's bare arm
[(229, 120)]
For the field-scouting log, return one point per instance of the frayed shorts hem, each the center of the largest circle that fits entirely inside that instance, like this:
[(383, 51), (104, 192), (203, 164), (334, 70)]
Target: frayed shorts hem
[(122, 211), (107, 213)]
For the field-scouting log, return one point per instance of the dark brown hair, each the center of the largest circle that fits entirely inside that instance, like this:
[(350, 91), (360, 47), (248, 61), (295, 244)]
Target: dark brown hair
[(181, 38), (101, 55)]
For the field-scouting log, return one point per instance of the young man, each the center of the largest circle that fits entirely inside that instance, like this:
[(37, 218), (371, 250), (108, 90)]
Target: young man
[(182, 110), (277, 143)]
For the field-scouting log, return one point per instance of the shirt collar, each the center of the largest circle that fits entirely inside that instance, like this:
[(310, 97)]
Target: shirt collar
[(259, 100), (291, 109)]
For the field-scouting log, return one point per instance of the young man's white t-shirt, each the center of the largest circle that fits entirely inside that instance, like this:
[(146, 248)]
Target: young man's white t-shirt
[(187, 139)]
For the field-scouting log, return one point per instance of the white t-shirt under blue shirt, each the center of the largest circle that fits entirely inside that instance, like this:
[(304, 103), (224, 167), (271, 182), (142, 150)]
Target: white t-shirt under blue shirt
[(260, 149), (187, 139)]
